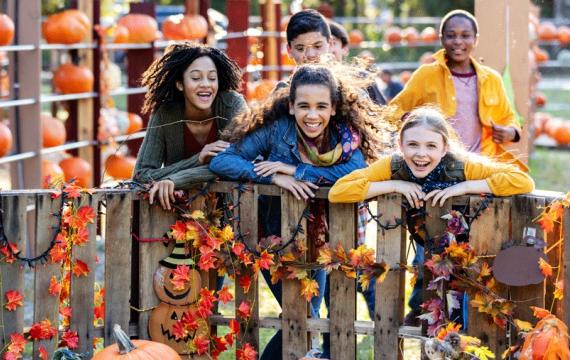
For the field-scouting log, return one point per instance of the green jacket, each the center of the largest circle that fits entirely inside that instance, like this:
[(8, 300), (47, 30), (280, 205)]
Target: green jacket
[(161, 155)]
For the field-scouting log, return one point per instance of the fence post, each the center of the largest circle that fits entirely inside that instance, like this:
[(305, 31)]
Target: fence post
[(566, 269), (389, 309)]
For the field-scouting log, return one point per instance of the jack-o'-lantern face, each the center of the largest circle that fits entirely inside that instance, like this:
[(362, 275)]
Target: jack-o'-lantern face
[(164, 288), (162, 319)]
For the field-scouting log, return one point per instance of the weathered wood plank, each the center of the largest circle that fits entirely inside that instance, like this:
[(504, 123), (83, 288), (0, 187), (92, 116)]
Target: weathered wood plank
[(389, 308), (118, 248), (294, 316), (82, 287), (248, 218), (523, 211), (154, 223), (555, 256), (566, 268), (342, 230), (488, 232), (15, 229)]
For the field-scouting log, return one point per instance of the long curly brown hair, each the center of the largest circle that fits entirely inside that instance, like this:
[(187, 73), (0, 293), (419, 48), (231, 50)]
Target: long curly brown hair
[(347, 86), (161, 77)]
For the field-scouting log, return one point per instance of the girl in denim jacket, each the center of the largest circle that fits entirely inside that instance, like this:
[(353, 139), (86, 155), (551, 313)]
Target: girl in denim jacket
[(311, 133)]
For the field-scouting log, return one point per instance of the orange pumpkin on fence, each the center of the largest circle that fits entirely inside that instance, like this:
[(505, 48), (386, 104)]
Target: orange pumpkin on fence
[(66, 27), (547, 341), (6, 30), (393, 35), (128, 349), (77, 168), (355, 37), (185, 27), (429, 35), (120, 167), (561, 132), (71, 79), (142, 28), (410, 34), (564, 35), (135, 123), (547, 31), (5, 139), (53, 131), (51, 173)]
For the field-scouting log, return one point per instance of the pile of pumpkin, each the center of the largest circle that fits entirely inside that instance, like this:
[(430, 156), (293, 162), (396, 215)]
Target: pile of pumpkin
[(547, 31), (555, 128)]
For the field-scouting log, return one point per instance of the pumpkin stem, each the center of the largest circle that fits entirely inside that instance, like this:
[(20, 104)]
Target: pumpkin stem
[(123, 342)]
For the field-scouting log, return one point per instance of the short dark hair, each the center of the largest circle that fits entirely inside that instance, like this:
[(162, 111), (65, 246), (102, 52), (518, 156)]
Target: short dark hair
[(306, 21), (339, 32)]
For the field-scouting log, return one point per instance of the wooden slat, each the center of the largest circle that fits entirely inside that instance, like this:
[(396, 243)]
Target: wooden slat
[(389, 309), (523, 211), (82, 287), (342, 290), (118, 247), (488, 232), (566, 268), (12, 277), (555, 258), (294, 316), (248, 218), (154, 223), (45, 307)]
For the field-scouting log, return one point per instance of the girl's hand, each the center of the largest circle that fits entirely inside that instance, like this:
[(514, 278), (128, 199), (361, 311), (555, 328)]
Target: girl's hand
[(266, 168), (412, 191), (300, 189), (503, 134), (164, 190), (211, 150), (443, 195)]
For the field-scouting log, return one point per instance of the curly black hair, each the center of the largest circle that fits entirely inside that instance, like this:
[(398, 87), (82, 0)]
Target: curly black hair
[(161, 77)]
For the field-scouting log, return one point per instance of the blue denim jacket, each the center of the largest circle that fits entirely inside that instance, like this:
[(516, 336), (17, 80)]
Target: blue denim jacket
[(278, 142)]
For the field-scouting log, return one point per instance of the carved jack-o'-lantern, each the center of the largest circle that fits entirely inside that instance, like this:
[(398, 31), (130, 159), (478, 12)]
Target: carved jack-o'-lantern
[(162, 319)]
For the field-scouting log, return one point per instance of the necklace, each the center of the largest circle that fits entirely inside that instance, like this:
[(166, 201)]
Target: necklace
[(199, 122), (464, 78)]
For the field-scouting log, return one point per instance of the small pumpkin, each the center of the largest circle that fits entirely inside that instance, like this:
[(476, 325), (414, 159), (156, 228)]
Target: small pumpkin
[(540, 99), (6, 30), (547, 341), (540, 55), (142, 28), (393, 35), (6, 139), (66, 27), (547, 31), (429, 35), (120, 167), (135, 123), (121, 35), (51, 174), (126, 348), (78, 169), (563, 35), (411, 35), (53, 131), (185, 27), (355, 37), (72, 79), (561, 132)]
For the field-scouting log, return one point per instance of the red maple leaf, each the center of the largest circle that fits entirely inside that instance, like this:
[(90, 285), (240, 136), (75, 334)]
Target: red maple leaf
[(80, 268), (12, 356), (42, 330), (229, 338), (9, 252), (207, 261), (179, 230), (17, 343), (58, 253), (99, 311), (265, 260), (43, 353), (245, 282), (234, 327), (70, 339), (220, 345), (71, 190), (80, 237), (13, 300), (190, 320), (214, 242), (180, 277), (85, 215), (545, 267), (54, 286), (247, 352), (201, 343), (244, 309), (224, 295), (238, 248), (179, 330)]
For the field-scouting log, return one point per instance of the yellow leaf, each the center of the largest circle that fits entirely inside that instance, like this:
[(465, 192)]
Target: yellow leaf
[(309, 288), (545, 267), (483, 352), (523, 325), (559, 291)]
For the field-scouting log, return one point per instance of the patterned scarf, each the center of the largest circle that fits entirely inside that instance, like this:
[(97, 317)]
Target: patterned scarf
[(431, 181), (349, 141)]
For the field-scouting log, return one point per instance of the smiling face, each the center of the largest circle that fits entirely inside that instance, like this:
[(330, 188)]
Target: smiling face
[(199, 84), (312, 109), (423, 149), (308, 47), (458, 38)]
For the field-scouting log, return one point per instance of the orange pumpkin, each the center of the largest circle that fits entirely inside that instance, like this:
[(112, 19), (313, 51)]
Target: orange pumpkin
[(540, 55), (561, 132), (53, 131), (51, 174), (547, 31), (540, 99), (121, 35), (72, 79), (185, 27), (405, 76), (4, 84), (66, 27), (120, 167), (6, 30), (286, 60), (427, 58), (550, 125), (410, 34), (142, 28), (429, 35), (77, 168), (540, 121), (128, 349), (135, 123), (355, 37), (564, 35), (547, 341), (5, 139), (393, 35), (263, 89)]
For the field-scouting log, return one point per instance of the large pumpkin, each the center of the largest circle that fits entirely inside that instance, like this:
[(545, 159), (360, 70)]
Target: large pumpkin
[(185, 27), (135, 123), (77, 168), (547, 341), (6, 30), (142, 28), (66, 27), (120, 167), (547, 31), (53, 131), (51, 174), (5, 139), (71, 79), (564, 35), (126, 348)]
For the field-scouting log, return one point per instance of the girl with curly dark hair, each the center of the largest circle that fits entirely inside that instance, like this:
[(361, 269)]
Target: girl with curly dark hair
[(192, 96)]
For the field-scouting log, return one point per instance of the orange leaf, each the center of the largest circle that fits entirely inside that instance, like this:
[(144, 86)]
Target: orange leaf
[(80, 268), (54, 286), (17, 343), (43, 353), (559, 290), (245, 282), (224, 295), (180, 276), (309, 288), (244, 310), (86, 214), (13, 300), (545, 267), (265, 260), (234, 327), (539, 313), (247, 352), (325, 255)]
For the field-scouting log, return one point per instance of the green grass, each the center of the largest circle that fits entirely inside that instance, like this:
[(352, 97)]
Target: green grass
[(550, 170)]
